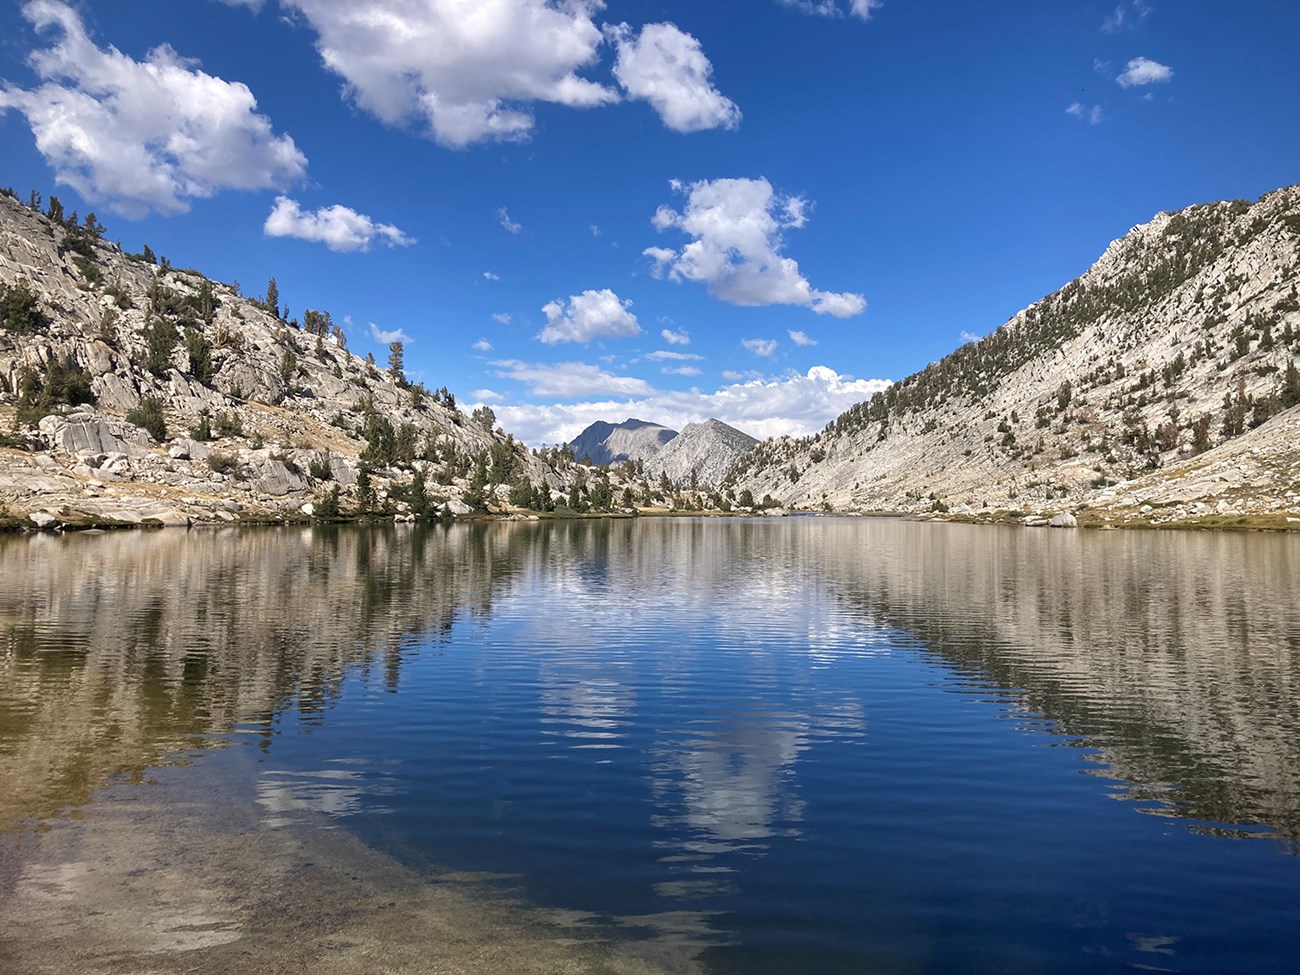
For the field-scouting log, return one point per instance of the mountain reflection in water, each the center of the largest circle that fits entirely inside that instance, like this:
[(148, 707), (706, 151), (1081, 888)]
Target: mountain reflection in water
[(767, 739)]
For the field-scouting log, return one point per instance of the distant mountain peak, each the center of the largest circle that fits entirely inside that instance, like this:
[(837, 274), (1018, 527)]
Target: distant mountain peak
[(709, 449), (611, 443)]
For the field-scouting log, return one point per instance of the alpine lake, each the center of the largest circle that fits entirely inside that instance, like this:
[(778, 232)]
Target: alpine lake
[(751, 746)]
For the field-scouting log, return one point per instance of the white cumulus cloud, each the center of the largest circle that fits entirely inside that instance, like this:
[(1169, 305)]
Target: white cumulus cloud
[(567, 380), (589, 316), (660, 355), (388, 338), (680, 370), (679, 337), (831, 8), (736, 229), (337, 227), (1093, 116), (795, 404), (143, 135), (1143, 71), (666, 67), (502, 318), (483, 345), (467, 71), (489, 276), (760, 347), (1127, 16), (503, 215), (801, 338)]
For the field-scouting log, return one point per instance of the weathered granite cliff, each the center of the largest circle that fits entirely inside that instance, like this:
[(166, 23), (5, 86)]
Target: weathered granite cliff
[(1162, 385), (134, 391), (610, 443), (703, 452)]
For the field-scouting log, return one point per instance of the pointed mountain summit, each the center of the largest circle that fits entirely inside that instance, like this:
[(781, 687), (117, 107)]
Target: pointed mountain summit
[(709, 449), (610, 443)]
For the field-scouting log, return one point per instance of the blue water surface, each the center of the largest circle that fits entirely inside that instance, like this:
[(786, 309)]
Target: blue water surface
[(776, 741), (803, 745)]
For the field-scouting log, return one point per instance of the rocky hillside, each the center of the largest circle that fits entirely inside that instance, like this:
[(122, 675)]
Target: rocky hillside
[(131, 390), (610, 443), (701, 454), (1165, 379)]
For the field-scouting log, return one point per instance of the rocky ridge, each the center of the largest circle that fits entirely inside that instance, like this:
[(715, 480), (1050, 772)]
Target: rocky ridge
[(707, 450), (1165, 378), (133, 391), (611, 443)]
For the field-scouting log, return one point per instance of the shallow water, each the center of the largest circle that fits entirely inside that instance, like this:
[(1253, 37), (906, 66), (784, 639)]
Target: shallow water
[(813, 745)]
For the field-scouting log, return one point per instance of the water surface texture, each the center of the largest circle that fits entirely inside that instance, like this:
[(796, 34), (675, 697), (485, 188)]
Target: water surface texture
[(732, 746)]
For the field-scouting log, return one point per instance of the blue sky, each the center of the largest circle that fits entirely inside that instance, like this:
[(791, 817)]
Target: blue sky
[(754, 210)]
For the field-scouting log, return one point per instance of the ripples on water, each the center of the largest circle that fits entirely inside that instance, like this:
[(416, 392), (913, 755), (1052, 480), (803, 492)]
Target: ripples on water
[(807, 745)]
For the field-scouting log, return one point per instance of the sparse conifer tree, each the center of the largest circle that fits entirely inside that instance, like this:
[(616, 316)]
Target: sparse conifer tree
[(396, 362)]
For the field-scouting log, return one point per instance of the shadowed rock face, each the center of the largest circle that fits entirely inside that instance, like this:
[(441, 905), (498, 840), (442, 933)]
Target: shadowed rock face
[(710, 449), (609, 443)]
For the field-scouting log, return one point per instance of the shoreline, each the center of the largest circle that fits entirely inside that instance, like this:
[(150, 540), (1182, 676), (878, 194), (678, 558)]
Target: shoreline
[(1277, 522)]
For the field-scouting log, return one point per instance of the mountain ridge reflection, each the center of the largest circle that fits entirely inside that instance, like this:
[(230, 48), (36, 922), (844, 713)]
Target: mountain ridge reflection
[(1176, 655), (678, 701)]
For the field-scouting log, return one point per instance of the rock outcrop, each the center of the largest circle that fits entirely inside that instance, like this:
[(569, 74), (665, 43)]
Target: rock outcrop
[(1139, 383), (611, 443), (134, 391), (707, 450)]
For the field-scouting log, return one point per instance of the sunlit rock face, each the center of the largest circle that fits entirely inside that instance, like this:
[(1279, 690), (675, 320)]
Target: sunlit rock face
[(285, 405), (709, 450), (1159, 375)]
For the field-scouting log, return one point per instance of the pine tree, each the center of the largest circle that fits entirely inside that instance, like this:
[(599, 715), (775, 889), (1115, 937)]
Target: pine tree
[(20, 310), (327, 505), (206, 302), (161, 338), (396, 359), (522, 494), (273, 298), (419, 495), (288, 366), (199, 351), (365, 491), (1290, 386)]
